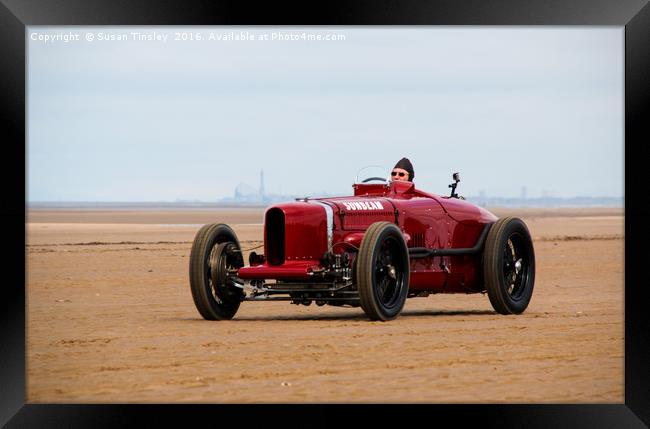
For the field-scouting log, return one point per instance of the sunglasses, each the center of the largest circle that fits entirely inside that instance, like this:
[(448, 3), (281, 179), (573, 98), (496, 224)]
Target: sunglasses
[(395, 173)]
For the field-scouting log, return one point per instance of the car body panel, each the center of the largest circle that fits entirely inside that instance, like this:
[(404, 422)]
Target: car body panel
[(299, 234)]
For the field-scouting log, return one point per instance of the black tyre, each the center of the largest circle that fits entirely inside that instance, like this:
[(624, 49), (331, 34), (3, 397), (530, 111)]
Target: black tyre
[(215, 251), (509, 266), (382, 271)]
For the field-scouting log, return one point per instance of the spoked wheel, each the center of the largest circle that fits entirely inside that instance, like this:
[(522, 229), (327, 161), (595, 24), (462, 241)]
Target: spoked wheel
[(382, 271), (509, 266), (214, 257)]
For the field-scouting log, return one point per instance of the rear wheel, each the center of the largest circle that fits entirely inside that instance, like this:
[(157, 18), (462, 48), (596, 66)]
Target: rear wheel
[(215, 253), (509, 266), (382, 271)]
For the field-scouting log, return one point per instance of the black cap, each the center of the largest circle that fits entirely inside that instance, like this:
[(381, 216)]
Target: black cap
[(406, 165)]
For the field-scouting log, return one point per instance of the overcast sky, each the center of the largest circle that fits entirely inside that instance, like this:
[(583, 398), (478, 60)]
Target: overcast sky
[(161, 120)]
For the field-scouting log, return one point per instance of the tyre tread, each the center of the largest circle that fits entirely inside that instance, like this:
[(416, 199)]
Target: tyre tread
[(198, 253), (491, 260), (365, 271)]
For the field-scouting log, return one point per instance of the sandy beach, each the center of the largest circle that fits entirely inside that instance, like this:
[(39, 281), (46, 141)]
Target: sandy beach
[(110, 319)]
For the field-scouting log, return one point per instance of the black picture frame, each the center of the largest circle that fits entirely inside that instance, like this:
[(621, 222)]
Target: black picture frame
[(16, 15)]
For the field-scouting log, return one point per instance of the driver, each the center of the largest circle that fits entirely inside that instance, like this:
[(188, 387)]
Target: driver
[(403, 171)]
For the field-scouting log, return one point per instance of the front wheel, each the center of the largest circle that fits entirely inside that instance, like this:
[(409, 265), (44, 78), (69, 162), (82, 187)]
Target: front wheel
[(509, 266), (215, 254), (382, 271)]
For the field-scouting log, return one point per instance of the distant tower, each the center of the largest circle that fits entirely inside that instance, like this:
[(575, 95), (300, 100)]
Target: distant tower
[(262, 185), (523, 192)]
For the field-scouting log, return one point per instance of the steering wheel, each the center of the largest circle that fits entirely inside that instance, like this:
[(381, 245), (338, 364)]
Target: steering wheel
[(373, 178)]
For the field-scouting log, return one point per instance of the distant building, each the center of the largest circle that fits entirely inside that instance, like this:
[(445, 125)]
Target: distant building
[(248, 195), (481, 200), (244, 192)]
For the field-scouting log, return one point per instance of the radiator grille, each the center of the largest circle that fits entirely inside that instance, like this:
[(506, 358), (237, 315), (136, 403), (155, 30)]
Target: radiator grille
[(274, 240)]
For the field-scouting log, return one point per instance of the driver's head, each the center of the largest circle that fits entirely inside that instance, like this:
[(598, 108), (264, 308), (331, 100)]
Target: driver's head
[(403, 170)]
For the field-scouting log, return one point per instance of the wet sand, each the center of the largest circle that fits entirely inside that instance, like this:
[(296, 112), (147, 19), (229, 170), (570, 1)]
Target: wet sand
[(110, 318)]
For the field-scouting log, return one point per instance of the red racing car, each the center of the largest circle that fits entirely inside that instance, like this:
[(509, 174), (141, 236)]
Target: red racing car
[(388, 242)]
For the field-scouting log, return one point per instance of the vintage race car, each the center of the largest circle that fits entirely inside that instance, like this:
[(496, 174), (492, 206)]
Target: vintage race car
[(388, 242)]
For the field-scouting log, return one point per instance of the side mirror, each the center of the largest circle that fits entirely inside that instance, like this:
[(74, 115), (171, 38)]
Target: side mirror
[(456, 177)]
